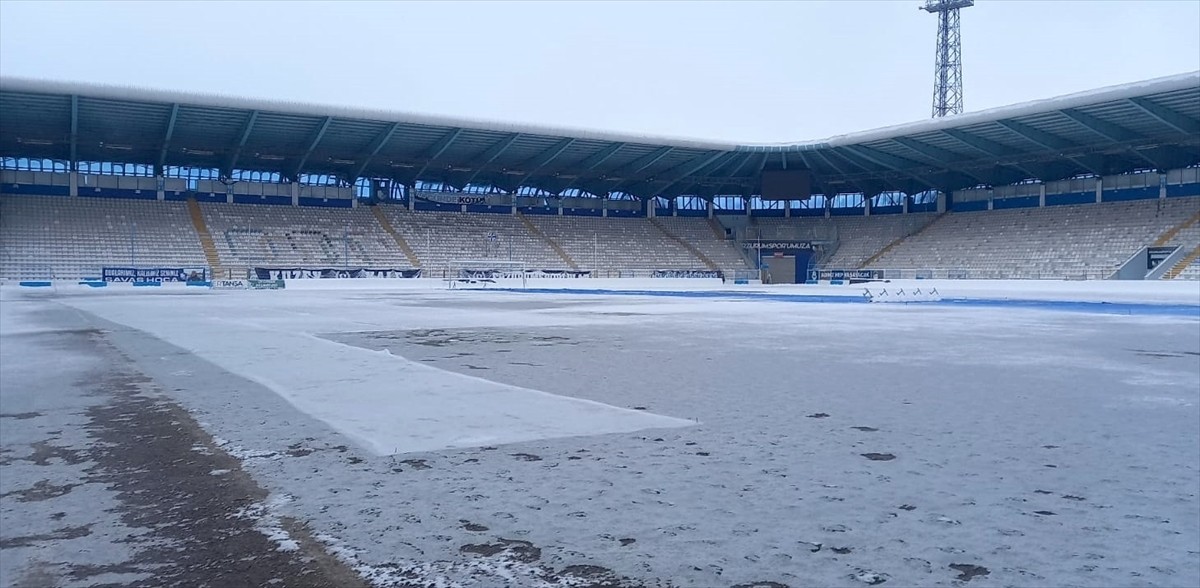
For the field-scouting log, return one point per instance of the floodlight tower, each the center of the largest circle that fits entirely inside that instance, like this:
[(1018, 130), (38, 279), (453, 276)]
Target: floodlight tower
[(947, 88)]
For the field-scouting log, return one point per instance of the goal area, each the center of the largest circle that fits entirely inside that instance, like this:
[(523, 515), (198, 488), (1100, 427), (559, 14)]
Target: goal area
[(484, 273)]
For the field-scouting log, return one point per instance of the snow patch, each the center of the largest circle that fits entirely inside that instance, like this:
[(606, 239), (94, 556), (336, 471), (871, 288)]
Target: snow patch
[(266, 521)]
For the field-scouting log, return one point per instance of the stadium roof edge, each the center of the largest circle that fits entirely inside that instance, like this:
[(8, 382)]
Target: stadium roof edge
[(143, 94), (1110, 93), (1152, 124), (134, 93)]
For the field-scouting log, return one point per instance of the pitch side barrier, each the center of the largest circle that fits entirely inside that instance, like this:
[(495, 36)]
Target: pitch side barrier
[(300, 273), (842, 276), (249, 284)]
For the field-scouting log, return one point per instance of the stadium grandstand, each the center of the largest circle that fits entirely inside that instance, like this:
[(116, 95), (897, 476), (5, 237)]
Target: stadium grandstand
[(1094, 185)]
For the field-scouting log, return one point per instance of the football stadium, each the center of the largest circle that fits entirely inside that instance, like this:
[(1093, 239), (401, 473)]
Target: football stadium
[(251, 342)]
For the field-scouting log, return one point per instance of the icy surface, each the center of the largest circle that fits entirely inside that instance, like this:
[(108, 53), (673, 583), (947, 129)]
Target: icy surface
[(830, 444)]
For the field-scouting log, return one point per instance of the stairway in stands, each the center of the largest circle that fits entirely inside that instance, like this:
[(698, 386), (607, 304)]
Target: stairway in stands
[(1182, 264), (893, 244), (206, 240), (401, 242), (533, 230), (717, 229), (686, 245), (1170, 234)]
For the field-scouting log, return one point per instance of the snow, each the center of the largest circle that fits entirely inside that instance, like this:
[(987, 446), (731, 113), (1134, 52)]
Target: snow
[(1113, 291), (266, 521), (749, 461), (384, 402), (44, 409)]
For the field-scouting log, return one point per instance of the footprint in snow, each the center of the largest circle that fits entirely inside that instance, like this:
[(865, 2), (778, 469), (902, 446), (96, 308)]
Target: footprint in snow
[(968, 571)]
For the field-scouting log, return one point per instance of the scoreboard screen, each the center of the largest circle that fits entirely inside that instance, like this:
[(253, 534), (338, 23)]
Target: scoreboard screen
[(786, 184)]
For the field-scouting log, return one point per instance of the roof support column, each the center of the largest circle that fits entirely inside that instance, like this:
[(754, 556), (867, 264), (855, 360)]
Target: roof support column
[(162, 153), (312, 145), (73, 167), (74, 133), (237, 151)]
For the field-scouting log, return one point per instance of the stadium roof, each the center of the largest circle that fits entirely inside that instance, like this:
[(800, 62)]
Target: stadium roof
[(1147, 125)]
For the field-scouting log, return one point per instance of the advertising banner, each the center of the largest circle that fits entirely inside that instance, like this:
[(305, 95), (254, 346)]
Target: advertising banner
[(297, 273), (687, 274), (141, 274), (845, 275), (778, 245), (483, 273), (230, 284), (267, 284)]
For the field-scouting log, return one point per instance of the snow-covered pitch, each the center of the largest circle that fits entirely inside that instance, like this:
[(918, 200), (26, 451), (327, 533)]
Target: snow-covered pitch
[(693, 433)]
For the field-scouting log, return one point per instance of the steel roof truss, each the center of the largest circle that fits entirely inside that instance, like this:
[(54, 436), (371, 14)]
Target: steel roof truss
[(537, 162), (729, 167), (936, 156), (490, 155), (237, 150), (1107, 130), (837, 168), (980, 144), (601, 156), (816, 182), (696, 165), (737, 172), (890, 162), (166, 143), (1167, 116), (833, 151), (311, 146), (436, 150), (988, 147), (1039, 137), (1103, 128), (640, 165), (373, 150)]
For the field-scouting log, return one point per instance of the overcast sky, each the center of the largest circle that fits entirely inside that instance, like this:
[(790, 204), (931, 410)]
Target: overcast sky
[(737, 71)]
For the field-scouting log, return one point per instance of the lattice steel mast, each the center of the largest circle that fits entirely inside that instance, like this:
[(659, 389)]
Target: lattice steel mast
[(947, 88)]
